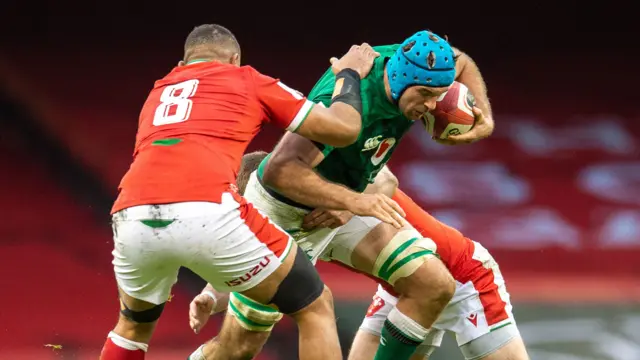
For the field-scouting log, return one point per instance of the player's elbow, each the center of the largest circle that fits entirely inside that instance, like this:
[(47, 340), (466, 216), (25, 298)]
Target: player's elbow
[(463, 61), (275, 173)]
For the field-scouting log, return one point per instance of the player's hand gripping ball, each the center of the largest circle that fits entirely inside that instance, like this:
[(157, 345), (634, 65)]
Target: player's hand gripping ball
[(453, 114)]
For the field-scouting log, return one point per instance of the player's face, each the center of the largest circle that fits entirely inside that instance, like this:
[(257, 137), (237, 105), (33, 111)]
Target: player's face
[(417, 100)]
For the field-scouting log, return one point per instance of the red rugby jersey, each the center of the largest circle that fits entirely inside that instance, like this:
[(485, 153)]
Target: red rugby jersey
[(194, 128)]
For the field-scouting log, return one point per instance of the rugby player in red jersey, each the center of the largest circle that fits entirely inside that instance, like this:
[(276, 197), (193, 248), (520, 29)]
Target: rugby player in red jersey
[(479, 314), (178, 204)]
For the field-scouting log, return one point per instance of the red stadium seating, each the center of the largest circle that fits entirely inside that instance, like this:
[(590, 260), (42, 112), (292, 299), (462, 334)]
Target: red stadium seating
[(96, 123), (555, 196), (58, 285), (544, 174)]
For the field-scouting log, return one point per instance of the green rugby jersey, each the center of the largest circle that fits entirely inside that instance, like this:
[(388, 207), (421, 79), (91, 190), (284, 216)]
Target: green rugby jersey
[(383, 125)]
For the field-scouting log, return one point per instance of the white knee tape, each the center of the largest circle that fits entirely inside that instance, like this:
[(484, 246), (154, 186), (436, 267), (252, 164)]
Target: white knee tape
[(403, 255), (251, 315)]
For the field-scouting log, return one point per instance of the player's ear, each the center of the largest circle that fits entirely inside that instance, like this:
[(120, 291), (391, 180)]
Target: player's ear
[(235, 59), (180, 63)]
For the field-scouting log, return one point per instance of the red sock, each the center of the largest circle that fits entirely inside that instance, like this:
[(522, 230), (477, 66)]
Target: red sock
[(111, 351)]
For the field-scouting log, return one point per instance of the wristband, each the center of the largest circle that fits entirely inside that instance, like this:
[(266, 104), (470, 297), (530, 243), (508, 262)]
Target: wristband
[(349, 90), (213, 297)]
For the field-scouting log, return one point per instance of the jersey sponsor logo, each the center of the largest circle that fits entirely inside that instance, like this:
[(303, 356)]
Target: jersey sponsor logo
[(377, 304), (383, 150), (371, 143), (250, 274), (473, 318)]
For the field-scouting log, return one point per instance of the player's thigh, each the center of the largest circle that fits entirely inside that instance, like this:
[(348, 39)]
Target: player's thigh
[(504, 343), (513, 350), (355, 243), (370, 246), (241, 249), (256, 258), (482, 304), (146, 256), (480, 313)]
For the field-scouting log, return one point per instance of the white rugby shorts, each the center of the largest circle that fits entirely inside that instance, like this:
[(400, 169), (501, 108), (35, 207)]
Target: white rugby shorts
[(231, 245), (479, 314)]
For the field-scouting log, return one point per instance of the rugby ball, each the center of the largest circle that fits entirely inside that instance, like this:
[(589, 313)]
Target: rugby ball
[(453, 114)]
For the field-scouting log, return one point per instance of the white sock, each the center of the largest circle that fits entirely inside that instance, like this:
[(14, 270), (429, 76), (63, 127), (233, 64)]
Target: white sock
[(198, 354), (126, 343), (408, 326)]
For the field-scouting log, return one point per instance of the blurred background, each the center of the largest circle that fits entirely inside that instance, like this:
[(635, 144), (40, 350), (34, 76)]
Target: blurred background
[(554, 194)]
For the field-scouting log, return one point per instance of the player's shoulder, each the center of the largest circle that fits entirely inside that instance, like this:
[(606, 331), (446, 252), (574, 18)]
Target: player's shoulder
[(259, 77), (248, 69), (207, 69)]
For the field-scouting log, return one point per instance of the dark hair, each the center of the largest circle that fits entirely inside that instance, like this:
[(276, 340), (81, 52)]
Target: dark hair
[(215, 37), (249, 164)]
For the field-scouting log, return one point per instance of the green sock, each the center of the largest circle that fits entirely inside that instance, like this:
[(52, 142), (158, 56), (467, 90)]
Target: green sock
[(394, 344)]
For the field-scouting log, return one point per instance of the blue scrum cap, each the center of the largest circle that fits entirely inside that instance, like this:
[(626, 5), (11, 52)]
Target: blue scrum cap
[(423, 59)]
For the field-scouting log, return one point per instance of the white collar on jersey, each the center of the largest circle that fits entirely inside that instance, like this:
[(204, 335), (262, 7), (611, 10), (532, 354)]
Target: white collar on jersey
[(196, 61)]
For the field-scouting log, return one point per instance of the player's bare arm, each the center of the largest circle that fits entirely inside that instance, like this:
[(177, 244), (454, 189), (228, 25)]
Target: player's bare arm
[(385, 183), (468, 73), (205, 304), (290, 171), (339, 125)]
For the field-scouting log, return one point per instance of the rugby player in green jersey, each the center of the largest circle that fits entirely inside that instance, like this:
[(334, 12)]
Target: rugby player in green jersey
[(306, 182)]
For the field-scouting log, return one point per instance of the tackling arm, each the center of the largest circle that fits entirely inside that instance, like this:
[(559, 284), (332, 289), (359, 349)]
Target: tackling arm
[(290, 171), (338, 125), (468, 73)]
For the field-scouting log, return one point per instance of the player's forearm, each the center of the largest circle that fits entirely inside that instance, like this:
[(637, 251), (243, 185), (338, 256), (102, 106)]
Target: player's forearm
[(298, 182), (468, 73), (338, 125), (221, 298)]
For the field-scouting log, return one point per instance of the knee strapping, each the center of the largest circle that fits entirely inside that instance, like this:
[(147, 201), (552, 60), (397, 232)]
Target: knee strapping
[(300, 288), (145, 316), (252, 315), (403, 255)]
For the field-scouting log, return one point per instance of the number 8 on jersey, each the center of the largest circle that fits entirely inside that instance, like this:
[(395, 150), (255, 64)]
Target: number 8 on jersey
[(175, 103)]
